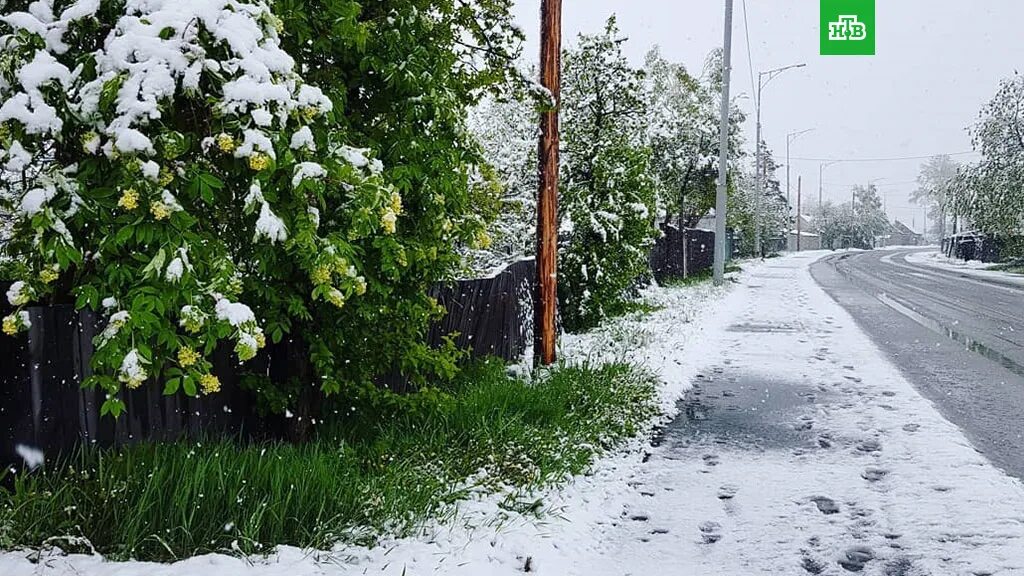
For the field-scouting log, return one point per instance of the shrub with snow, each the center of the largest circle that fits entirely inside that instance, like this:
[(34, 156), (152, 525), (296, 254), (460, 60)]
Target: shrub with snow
[(608, 198), (156, 155)]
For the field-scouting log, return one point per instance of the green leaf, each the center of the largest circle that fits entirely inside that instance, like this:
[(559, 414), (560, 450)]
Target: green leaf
[(189, 384), (112, 406), (156, 265), (171, 386)]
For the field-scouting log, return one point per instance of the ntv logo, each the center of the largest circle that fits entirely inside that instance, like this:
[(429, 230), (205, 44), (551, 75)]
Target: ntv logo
[(847, 28)]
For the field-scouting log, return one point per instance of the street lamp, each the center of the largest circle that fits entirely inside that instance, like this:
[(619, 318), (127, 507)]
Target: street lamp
[(761, 83), (790, 138), (821, 177)]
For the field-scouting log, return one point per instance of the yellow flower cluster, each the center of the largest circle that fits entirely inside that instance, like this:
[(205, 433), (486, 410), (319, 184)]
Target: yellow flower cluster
[(309, 113), (336, 298), (166, 176), (133, 383), (389, 220), (396, 202), (90, 142), (209, 383), (160, 210), (226, 143), (10, 325), (481, 240), (259, 161), (187, 356), (192, 319), (48, 275), (129, 199), (322, 275), (360, 286)]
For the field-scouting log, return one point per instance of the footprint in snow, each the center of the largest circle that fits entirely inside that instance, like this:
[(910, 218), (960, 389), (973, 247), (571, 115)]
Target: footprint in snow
[(855, 558), (710, 532), (869, 446), (911, 427), (812, 566), (826, 506), (873, 474), (727, 492)]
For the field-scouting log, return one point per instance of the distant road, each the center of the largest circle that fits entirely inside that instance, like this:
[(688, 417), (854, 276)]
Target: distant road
[(959, 339)]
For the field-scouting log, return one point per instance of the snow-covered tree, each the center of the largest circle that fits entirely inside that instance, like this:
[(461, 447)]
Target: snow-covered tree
[(608, 199), (683, 132), (852, 226), (507, 129), (990, 193), (934, 189)]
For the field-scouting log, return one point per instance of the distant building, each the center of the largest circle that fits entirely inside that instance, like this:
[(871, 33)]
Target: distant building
[(809, 238), (899, 234)]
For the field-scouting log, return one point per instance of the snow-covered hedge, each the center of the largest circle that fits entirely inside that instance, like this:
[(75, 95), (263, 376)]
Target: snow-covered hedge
[(158, 155)]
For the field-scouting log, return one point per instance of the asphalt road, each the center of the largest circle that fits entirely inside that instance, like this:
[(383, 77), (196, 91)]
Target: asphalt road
[(959, 340)]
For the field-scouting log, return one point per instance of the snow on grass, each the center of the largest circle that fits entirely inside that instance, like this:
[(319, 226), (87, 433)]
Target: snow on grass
[(483, 533)]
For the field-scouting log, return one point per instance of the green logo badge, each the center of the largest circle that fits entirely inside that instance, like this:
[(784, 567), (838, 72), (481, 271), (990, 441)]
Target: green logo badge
[(848, 27)]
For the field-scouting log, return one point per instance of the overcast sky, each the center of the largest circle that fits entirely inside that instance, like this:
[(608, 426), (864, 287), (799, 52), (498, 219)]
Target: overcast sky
[(938, 62)]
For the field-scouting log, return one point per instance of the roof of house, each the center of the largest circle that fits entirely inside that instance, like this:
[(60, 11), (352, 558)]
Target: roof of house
[(901, 228)]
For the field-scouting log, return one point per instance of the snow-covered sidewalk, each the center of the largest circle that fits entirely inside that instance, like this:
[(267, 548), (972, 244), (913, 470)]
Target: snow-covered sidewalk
[(800, 450)]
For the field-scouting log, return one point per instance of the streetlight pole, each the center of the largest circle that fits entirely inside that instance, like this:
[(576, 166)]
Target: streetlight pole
[(790, 138), (759, 197), (821, 177), (721, 198)]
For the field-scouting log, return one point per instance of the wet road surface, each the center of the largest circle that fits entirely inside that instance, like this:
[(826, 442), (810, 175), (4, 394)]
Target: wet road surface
[(959, 340)]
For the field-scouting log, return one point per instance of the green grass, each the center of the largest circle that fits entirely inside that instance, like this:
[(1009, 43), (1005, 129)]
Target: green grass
[(370, 475), (700, 277)]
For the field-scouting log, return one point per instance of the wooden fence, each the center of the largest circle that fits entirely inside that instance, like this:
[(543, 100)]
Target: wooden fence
[(682, 253), (43, 406)]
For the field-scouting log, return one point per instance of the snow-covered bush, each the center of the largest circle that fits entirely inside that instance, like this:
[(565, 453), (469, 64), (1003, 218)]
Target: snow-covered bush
[(608, 199), (164, 155), (507, 129)]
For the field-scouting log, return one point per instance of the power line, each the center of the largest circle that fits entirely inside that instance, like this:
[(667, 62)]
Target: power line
[(887, 159), (750, 61), (876, 185)]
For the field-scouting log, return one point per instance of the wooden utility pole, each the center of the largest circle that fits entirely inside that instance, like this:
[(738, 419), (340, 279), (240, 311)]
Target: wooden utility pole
[(799, 210), (545, 290)]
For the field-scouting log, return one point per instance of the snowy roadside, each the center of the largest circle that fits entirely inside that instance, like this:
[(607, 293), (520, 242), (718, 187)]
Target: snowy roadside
[(800, 450), (484, 537), (973, 268)]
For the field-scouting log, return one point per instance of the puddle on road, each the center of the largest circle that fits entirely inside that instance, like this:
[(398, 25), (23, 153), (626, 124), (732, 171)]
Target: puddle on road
[(745, 412), (966, 341)]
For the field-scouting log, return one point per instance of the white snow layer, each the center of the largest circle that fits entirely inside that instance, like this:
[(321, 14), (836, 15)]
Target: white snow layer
[(692, 508), (972, 268)]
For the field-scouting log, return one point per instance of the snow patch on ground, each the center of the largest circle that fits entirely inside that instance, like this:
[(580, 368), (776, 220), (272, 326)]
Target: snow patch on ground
[(972, 268)]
